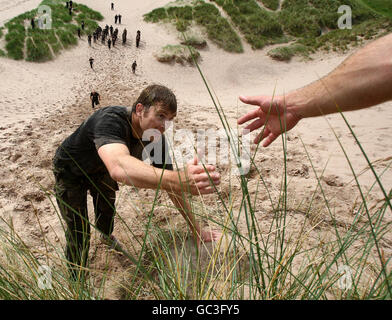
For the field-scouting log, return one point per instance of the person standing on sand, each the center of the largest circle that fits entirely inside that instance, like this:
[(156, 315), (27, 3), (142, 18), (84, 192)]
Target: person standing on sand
[(109, 43), (363, 80), (89, 39), (134, 66), (108, 149), (115, 19), (79, 33), (124, 36), (114, 39), (112, 6), (83, 25), (137, 38), (94, 97), (119, 19), (91, 62)]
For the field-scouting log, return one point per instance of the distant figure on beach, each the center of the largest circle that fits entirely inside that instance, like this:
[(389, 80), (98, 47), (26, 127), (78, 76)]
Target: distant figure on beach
[(109, 43), (137, 38), (119, 18), (89, 39), (103, 38), (95, 37), (112, 6), (32, 23), (114, 39), (107, 149), (82, 24), (70, 11), (115, 19), (124, 36), (94, 97), (91, 62), (111, 30), (79, 33), (361, 81), (70, 4), (134, 65), (67, 4)]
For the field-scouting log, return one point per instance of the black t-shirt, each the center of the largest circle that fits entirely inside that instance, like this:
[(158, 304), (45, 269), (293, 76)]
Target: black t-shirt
[(94, 96), (107, 125)]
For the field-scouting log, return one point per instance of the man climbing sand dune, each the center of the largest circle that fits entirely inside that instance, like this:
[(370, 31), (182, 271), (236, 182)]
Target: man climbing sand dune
[(106, 149)]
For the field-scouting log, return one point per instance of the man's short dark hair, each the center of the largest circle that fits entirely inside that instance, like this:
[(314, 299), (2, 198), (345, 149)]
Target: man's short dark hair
[(156, 93)]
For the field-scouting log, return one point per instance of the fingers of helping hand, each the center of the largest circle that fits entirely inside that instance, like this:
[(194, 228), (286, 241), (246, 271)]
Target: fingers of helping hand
[(262, 135), (254, 125), (249, 116), (271, 137)]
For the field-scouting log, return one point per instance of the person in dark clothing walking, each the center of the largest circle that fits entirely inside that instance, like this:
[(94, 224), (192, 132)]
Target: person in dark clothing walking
[(79, 33), (137, 38), (82, 24), (114, 39), (32, 23), (111, 30), (109, 43), (94, 97), (91, 62), (89, 39), (70, 4), (124, 36), (119, 18), (115, 19), (134, 67), (112, 6), (108, 148)]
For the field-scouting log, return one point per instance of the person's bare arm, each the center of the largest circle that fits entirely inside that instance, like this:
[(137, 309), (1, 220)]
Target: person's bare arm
[(362, 80), (127, 169)]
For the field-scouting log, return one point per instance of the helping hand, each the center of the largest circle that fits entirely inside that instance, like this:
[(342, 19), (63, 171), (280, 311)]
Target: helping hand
[(273, 113)]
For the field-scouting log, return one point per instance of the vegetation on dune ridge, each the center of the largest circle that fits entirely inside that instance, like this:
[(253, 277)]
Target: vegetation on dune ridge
[(312, 24), (183, 14), (40, 45)]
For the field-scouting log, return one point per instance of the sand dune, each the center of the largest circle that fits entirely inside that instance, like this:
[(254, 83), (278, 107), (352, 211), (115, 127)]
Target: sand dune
[(41, 104)]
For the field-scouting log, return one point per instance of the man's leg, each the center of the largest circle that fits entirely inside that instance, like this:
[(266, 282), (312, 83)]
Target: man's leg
[(104, 196), (71, 198)]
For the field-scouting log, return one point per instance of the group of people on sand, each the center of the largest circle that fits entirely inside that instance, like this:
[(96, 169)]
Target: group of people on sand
[(107, 148)]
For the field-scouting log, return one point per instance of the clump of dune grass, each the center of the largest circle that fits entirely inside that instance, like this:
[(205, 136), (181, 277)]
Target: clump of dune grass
[(176, 53), (206, 15), (285, 53), (44, 44), (193, 38)]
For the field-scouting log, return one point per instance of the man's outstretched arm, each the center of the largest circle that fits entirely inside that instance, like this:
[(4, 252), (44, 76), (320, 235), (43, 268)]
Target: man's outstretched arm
[(362, 80), (127, 169)]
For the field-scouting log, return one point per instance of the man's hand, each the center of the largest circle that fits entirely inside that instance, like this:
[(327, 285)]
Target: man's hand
[(273, 113), (207, 235), (196, 178)]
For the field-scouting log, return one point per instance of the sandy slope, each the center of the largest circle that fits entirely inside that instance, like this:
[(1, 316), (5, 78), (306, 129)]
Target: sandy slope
[(40, 104)]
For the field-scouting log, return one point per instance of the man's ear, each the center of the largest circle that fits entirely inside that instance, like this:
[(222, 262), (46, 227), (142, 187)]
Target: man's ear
[(139, 109)]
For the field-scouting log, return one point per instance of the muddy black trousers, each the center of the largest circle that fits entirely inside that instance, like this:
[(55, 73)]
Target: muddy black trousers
[(71, 196)]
